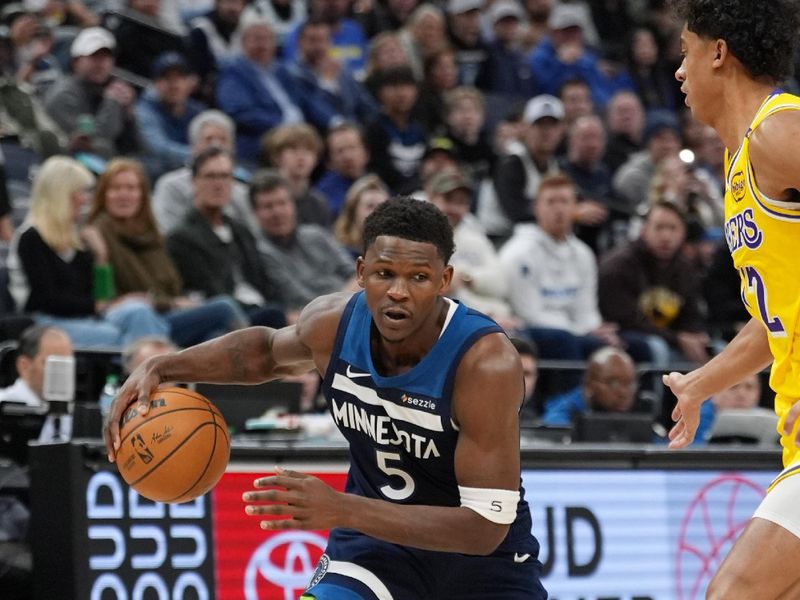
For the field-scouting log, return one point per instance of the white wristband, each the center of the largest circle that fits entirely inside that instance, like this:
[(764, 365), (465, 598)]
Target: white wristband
[(498, 506)]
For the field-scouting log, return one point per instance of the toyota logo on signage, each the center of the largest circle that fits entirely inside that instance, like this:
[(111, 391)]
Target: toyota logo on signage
[(286, 560), (253, 564)]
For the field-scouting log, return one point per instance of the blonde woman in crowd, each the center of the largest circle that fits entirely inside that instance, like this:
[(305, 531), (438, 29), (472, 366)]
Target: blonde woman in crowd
[(59, 269)]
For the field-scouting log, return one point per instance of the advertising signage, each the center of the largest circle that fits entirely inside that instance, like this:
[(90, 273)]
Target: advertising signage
[(604, 534), (610, 534)]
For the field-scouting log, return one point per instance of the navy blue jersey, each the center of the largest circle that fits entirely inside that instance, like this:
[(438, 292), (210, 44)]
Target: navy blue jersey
[(400, 429)]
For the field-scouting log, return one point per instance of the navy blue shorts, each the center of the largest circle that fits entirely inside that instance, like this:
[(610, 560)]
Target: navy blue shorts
[(357, 567)]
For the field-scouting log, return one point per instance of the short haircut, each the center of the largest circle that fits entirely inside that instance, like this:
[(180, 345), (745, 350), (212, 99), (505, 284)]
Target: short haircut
[(298, 135), (399, 75), (463, 92), (667, 205), (205, 156), (573, 81), (30, 340), (312, 21), (554, 181), (345, 126), (264, 181), (762, 35), (130, 351), (410, 219), (211, 117)]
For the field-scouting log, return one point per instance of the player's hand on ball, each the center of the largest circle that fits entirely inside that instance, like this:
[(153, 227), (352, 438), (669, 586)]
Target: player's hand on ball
[(137, 388), (305, 502), (686, 413)]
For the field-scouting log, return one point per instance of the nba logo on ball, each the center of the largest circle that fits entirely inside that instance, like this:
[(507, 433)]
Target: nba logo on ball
[(178, 451), (138, 443)]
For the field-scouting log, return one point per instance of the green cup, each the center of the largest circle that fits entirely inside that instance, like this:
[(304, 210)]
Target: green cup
[(103, 280)]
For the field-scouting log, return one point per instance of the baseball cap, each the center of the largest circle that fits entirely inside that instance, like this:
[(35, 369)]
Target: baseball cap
[(459, 7), (10, 12), (502, 9), (658, 120), (169, 61), (448, 181), (439, 143), (543, 106), (564, 16), (90, 40)]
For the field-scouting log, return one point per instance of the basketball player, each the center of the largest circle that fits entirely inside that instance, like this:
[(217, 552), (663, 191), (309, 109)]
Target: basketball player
[(427, 393), (734, 54)]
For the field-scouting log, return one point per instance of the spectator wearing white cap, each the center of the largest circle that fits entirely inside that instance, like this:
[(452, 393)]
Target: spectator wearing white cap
[(464, 28), (564, 55), (94, 109), (519, 174), (507, 72)]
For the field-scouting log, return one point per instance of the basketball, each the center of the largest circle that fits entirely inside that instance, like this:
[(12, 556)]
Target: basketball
[(178, 451)]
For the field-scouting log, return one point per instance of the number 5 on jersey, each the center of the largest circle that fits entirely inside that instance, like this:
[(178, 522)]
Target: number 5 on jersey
[(387, 490)]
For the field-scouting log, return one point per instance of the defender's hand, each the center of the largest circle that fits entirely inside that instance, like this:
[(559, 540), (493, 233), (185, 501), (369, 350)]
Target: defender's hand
[(686, 413)]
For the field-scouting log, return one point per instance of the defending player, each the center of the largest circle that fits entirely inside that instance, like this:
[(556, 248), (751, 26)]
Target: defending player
[(734, 54), (427, 392)]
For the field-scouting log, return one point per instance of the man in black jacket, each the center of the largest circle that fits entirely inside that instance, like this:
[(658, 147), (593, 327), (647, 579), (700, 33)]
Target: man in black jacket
[(652, 292), (216, 255)]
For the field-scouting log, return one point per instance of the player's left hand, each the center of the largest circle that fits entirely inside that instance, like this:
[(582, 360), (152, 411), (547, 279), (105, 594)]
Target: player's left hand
[(791, 421), (686, 413), (305, 502)]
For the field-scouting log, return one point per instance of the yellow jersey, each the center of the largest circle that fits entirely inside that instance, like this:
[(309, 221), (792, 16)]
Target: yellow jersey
[(762, 236)]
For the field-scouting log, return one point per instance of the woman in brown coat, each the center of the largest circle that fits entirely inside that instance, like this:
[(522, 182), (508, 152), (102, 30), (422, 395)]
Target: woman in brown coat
[(121, 212)]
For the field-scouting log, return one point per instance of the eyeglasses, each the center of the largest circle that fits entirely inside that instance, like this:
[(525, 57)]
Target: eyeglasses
[(212, 176)]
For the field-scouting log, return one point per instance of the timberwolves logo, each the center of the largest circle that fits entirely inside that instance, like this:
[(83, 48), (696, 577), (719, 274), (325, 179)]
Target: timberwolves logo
[(319, 572), (737, 186)]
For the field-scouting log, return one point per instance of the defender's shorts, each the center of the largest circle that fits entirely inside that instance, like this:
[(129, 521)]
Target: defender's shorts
[(780, 504)]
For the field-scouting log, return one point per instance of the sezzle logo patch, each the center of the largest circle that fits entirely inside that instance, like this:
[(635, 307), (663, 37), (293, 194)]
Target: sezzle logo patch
[(737, 186), (419, 402)]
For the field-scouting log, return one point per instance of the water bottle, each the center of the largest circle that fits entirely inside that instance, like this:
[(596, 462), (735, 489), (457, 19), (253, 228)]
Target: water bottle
[(109, 391)]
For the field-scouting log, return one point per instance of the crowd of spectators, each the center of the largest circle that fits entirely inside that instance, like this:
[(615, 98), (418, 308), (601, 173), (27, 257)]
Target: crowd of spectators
[(586, 202)]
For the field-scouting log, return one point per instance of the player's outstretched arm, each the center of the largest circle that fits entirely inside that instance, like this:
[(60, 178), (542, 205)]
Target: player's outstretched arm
[(487, 395), (747, 353), (250, 355)]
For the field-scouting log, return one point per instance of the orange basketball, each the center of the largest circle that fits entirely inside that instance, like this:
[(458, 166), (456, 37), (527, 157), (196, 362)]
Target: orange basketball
[(178, 451)]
